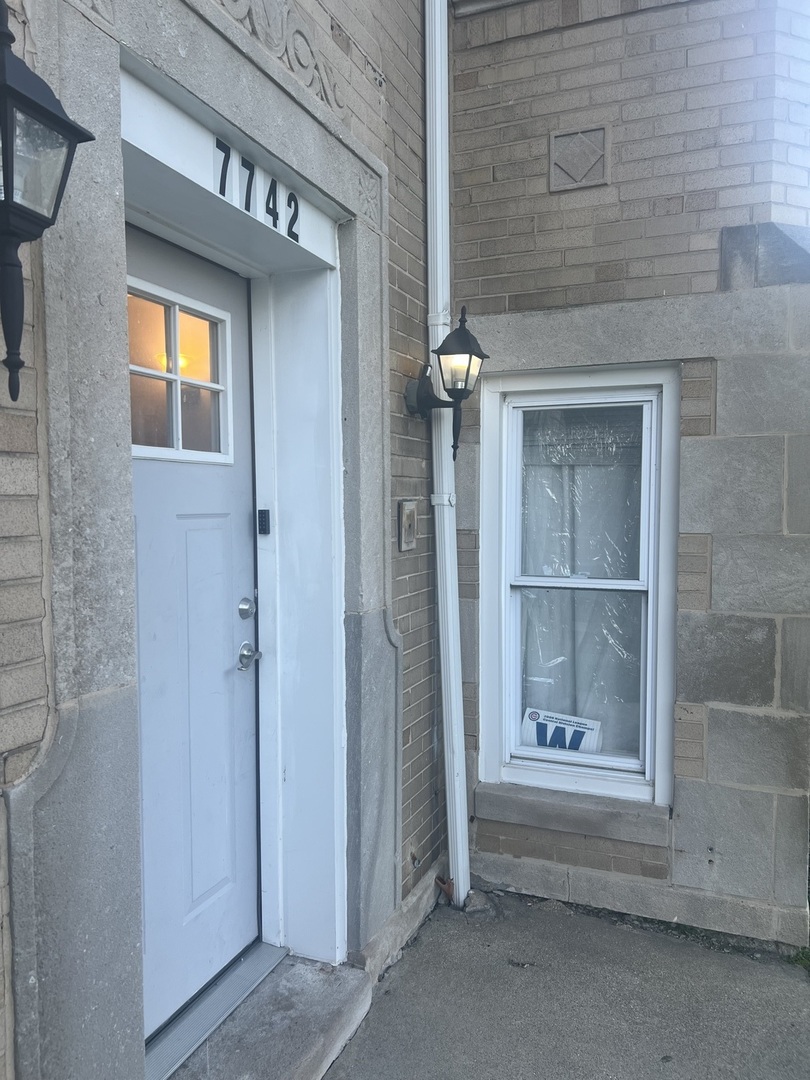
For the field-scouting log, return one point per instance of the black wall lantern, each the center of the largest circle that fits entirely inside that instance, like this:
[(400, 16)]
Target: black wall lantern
[(37, 143), (460, 358)]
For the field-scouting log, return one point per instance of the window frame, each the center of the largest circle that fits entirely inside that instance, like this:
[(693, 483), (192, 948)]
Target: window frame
[(504, 399), (223, 388)]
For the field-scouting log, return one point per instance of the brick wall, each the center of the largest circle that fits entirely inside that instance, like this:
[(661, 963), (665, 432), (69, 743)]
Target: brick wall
[(597, 154), (423, 794)]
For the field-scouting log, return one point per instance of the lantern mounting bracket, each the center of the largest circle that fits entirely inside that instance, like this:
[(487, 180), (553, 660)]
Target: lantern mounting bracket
[(460, 358)]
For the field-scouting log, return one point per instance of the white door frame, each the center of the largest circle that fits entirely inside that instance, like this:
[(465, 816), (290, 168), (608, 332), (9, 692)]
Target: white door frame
[(171, 174)]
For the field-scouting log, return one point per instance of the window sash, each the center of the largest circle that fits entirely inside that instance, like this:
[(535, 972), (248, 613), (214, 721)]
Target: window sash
[(516, 407)]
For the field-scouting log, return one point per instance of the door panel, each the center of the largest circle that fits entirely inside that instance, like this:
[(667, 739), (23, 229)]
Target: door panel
[(195, 562)]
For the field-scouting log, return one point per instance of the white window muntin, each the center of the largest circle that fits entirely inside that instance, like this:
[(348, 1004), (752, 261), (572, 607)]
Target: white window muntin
[(499, 633), (516, 408), (222, 388)]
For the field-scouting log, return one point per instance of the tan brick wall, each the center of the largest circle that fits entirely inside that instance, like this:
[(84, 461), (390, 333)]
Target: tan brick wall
[(572, 849), (23, 686), (377, 49), (702, 106)]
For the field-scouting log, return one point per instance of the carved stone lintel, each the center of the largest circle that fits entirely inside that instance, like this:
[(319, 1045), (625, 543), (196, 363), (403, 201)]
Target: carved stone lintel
[(104, 8), (278, 25)]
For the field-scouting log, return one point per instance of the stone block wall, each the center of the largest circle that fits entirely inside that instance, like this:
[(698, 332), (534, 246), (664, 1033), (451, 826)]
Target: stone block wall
[(600, 147), (733, 856), (743, 712)]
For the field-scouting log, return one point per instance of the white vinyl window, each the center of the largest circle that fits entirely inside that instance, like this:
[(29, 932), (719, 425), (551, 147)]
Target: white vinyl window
[(179, 375), (578, 553)]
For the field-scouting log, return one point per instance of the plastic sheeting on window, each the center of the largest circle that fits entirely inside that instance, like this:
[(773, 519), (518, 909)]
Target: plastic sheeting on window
[(582, 492), (581, 652), (581, 520)]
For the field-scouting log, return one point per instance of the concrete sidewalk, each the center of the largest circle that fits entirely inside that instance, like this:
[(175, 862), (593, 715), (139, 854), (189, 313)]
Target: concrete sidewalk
[(530, 989)]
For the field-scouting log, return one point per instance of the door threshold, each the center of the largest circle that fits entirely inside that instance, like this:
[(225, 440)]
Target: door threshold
[(167, 1051)]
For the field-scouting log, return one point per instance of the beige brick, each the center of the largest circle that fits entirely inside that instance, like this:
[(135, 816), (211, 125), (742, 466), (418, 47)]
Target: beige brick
[(18, 763), (20, 559), (20, 642), (19, 517), (21, 727), (691, 713), (18, 433), (22, 684), (18, 475), (696, 426), (21, 602)]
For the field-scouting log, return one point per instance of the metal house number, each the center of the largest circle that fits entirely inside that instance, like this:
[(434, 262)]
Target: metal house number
[(248, 173)]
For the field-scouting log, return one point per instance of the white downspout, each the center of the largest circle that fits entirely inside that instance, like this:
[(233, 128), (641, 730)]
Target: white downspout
[(444, 480)]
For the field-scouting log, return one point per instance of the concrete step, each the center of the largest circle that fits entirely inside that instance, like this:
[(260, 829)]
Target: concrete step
[(291, 1027)]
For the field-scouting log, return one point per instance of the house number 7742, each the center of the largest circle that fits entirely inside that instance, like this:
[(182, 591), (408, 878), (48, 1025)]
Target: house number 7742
[(247, 182)]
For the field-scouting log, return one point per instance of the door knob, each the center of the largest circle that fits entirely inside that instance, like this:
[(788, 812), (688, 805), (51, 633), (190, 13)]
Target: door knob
[(247, 654)]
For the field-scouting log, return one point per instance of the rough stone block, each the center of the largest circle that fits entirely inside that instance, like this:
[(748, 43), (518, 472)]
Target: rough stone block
[(767, 573), (533, 876), (796, 664), (731, 485), (790, 851), (726, 658), (758, 749), (723, 839), (798, 488), (570, 812), (687, 907), (759, 395)]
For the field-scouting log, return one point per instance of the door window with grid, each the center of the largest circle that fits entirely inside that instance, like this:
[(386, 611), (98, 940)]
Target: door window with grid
[(179, 366)]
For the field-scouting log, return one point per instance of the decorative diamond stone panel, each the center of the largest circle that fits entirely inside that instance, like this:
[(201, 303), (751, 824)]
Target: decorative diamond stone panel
[(578, 159)]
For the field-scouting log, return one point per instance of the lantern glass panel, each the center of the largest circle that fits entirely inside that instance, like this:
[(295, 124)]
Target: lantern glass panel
[(40, 156), (459, 371)]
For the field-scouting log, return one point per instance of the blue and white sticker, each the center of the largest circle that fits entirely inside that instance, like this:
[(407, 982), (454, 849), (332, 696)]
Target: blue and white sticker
[(558, 731)]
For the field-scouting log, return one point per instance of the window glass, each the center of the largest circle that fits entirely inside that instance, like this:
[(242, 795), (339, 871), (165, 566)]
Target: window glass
[(148, 333), (198, 359), (200, 418), (581, 491), (581, 670), (151, 411)]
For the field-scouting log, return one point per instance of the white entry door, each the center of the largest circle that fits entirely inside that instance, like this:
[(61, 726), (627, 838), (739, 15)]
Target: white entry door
[(193, 498)]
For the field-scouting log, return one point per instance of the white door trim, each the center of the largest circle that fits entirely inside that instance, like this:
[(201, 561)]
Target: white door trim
[(302, 759)]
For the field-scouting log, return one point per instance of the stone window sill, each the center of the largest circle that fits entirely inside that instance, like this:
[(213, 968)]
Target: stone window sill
[(590, 815)]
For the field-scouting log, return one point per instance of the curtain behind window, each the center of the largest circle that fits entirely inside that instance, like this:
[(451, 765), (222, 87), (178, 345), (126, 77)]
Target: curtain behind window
[(581, 518)]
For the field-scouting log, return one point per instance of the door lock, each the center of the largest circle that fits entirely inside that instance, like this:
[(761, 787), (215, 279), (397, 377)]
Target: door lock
[(247, 608), (247, 654)]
